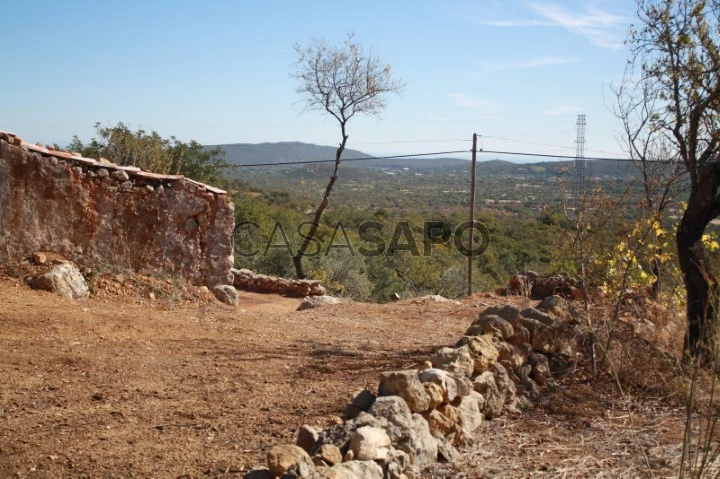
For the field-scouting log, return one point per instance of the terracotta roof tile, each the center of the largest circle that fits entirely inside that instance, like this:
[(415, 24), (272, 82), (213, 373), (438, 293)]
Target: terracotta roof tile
[(13, 139)]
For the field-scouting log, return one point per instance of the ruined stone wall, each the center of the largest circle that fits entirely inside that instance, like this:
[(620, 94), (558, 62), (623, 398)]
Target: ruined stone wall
[(100, 214), (261, 283)]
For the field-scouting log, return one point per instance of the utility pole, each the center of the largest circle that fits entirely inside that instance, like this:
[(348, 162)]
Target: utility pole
[(472, 215)]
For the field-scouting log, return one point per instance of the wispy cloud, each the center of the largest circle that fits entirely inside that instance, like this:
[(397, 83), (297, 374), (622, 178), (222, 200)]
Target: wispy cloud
[(518, 23), (562, 110), (604, 29), (539, 62), (468, 101)]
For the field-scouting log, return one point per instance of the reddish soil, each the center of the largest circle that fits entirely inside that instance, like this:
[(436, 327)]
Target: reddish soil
[(124, 386)]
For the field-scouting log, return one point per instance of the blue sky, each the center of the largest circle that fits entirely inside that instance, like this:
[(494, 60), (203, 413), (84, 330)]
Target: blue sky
[(217, 71)]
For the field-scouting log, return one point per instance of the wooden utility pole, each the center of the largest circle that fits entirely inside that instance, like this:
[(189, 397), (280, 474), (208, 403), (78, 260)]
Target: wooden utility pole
[(472, 215)]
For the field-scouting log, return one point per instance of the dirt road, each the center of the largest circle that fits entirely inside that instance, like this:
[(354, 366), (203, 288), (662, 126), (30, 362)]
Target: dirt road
[(113, 388), (118, 386)]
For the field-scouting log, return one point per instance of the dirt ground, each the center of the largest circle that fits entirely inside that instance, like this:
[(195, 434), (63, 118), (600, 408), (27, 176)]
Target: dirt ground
[(126, 386)]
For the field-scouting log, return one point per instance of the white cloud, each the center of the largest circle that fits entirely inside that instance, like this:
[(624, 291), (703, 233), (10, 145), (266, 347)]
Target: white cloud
[(604, 29), (562, 110), (539, 62)]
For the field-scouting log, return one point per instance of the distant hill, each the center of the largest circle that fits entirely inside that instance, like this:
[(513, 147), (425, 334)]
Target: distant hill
[(294, 151), (290, 151)]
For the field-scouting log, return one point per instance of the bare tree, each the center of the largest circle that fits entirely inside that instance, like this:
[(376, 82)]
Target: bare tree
[(343, 81), (677, 49), (657, 161)]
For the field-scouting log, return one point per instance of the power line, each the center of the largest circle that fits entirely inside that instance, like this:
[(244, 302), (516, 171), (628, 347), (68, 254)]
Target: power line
[(305, 162), (544, 144), (447, 140), (545, 155), (453, 152)]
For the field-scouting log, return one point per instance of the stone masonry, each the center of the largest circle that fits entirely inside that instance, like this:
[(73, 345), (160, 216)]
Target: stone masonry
[(100, 214)]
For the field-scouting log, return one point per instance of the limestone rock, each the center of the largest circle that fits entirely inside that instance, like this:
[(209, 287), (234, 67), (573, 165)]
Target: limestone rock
[(456, 360), (559, 308), (508, 313), (440, 425), (464, 385), (491, 324), (301, 470), (353, 470), (313, 302), (64, 279), (331, 454), (340, 434), (494, 399), (443, 379), (416, 441), (282, 458), (337, 435), (361, 402), (307, 437), (394, 410), (502, 378), (435, 393), (446, 451), (521, 336), (483, 351), (536, 314), (408, 432), (363, 399), (226, 294), (471, 416), (396, 464), (406, 385), (540, 370), (511, 354), (529, 387), (370, 444)]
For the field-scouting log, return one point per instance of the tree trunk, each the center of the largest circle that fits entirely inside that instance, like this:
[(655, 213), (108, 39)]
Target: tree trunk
[(700, 284), (298, 258)]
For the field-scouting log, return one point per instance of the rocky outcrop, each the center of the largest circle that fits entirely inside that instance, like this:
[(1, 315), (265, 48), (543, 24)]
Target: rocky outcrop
[(420, 416), (260, 283), (98, 214)]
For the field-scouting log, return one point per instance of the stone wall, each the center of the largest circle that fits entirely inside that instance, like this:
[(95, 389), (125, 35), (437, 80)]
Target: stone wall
[(261, 283), (100, 214), (504, 362)]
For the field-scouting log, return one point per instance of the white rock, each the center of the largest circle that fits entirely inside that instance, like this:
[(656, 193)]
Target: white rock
[(312, 302), (370, 444), (64, 279), (442, 379), (353, 470)]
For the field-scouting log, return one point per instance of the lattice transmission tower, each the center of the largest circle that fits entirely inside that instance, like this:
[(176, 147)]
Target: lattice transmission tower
[(579, 165)]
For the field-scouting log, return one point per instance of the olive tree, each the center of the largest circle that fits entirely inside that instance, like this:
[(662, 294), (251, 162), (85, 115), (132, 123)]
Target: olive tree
[(676, 51), (343, 81), (149, 150)]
